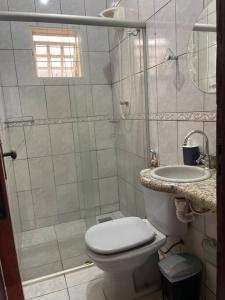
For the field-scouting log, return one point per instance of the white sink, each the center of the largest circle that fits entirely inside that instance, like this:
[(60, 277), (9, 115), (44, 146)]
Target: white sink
[(181, 173)]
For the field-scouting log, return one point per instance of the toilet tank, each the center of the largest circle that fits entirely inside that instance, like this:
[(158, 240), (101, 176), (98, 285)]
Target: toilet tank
[(161, 212)]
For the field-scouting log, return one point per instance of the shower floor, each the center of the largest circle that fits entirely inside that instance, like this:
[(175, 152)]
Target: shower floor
[(55, 248)]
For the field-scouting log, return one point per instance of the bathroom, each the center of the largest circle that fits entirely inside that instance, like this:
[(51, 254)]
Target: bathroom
[(83, 136)]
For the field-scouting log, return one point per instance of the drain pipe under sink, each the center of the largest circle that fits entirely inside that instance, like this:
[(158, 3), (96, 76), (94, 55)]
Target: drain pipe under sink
[(183, 210)]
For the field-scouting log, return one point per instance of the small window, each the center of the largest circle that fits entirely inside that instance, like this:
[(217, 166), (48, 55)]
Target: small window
[(57, 53)]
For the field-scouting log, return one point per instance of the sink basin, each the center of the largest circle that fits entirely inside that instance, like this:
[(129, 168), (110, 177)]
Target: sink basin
[(181, 173)]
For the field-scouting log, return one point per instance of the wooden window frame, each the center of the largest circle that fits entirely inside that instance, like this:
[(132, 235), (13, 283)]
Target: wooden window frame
[(75, 58)]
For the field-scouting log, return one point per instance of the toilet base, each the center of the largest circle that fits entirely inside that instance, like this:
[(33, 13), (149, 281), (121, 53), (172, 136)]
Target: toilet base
[(133, 284)]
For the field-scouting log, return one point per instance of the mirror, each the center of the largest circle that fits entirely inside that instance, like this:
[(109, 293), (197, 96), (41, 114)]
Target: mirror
[(202, 50)]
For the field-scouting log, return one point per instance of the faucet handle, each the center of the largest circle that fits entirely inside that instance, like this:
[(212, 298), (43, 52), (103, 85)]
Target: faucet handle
[(203, 159)]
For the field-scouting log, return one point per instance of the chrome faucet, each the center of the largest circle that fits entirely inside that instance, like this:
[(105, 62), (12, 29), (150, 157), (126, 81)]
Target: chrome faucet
[(203, 158)]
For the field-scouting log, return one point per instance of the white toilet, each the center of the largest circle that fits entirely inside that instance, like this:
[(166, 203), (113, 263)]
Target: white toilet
[(127, 249)]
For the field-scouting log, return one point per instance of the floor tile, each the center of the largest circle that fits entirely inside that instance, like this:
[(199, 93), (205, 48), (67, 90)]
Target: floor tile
[(71, 247), (61, 295), (75, 261), (45, 287), (83, 276), (87, 291), (69, 229), (38, 236), (47, 269), (154, 296), (40, 255)]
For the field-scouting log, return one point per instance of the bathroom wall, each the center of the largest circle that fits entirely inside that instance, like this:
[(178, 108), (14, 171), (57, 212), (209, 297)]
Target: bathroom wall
[(66, 156), (176, 107)]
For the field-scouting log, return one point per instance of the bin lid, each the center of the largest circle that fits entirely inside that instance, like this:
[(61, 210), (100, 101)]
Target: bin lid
[(180, 266)]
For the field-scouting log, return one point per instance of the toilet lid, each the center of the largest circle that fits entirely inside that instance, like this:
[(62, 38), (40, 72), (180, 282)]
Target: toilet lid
[(118, 235)]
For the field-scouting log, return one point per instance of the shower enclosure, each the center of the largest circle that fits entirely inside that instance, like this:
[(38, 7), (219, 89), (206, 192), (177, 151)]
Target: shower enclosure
[(74, 103)]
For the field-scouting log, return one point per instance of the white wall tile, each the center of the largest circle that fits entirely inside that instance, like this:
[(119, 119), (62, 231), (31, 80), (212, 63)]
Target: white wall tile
[(44, 202), (187, 13), (106, 163), (7, 68), (108, 190), (37, 141), (81, 100), (100, 68), (105, 134), (33, 102), (67, 198), (22, 35), (17, 141), (52, 6), (73, 7), (41, 172), (21, 5), (166, 81), (3, 5), (189, 97), (102, 100), (62, 138), (99, 34), (26, 207), (210, 130), (12, 102), (167, 146), (86, 136), (211, 225), (146, 9), (22, 175), (165, 31), (64, 168), (93, 8), (5, 36), (25, 68), (58, 108)]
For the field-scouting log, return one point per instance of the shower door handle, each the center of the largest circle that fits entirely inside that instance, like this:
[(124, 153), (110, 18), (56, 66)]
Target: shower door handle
[(12, 154)]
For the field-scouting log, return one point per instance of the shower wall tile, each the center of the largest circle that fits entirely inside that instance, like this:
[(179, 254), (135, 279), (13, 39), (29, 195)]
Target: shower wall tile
[(81, 100), (146, 9), (7, 68), (26, 209), (100, 71), (22, 175), (33, 101), (62, 138), (21, 5), (41, 172), (106, 163), (108, 190), (64, 168), (37, 141), (17, 141), (67, 198), (94, 8), (104, 134), (45, 202), (3, 5), (56, 107), (99, 34), (102, 100), (52, 6), (22, 35), (5, 33), (25, 68), (12, 103), (73, 7)]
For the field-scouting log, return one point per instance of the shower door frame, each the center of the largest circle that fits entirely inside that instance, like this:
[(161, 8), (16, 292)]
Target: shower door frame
[(220, 149), (10, 280)]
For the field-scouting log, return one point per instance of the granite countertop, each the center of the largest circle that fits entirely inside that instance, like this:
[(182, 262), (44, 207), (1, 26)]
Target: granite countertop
[(202, 194)]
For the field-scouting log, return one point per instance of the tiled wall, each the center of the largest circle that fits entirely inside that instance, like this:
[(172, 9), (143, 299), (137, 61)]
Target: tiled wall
[(176, 107), (66, 158)]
